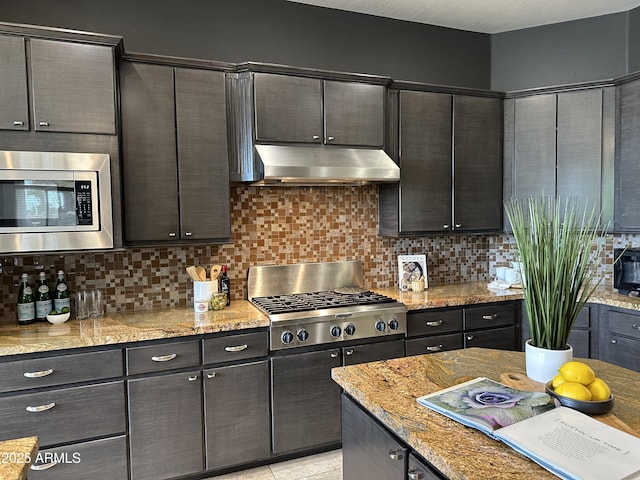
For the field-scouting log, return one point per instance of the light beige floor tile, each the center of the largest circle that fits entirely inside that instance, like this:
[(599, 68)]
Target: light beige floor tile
[(260, 473), (311, 467)]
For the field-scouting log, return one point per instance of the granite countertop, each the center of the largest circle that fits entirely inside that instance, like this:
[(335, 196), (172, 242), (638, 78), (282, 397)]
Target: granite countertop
[(388, 389), (178, 322), (16, 456)]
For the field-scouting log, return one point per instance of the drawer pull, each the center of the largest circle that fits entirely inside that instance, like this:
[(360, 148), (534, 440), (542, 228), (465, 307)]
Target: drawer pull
[(637, 327), (236, 348), (614, 341), (193, 378), (334, 354), (393, 455), (436, 323), (349, 352), (211, 375), (469, 337), (41, 408), (44, 466), (434, 348), (18, 123), (415, 475), (164, 358), (43, 124), (490, 317), (41, 373)]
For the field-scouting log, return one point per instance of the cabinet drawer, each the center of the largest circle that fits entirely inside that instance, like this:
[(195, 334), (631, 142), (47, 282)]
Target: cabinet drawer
[(624, 352), (624, 324), (164, 356), (488, 316), (417, 468), (59, 370), (65, 414), (235, 347), (372, 352), (436, 343), (584, 318), (500, 338), (82, 460), (432, 322)]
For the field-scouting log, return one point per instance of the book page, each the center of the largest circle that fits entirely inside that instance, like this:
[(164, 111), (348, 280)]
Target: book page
[(575, 446)]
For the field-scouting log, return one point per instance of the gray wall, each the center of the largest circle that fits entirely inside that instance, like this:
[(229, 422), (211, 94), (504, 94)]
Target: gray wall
[(273, 31), (569, 52)]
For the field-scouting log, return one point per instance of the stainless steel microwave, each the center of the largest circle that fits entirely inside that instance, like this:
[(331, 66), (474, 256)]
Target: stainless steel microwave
[(626, 270), (55, 201)]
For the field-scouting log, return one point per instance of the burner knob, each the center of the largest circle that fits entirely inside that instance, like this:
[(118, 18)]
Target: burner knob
[(350, 329), (303, 335), (335, 331), (286, 337), (380, 326), (393, 324)]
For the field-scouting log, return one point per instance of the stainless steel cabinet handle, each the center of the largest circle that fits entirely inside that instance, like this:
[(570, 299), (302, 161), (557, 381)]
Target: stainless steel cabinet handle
[(469, 337), (458, 225), (445, 226), (236, 348), (211, 375), (43, 466), (41, 373), (334, 354), (164, 358), (316, 137), (193, 378), (41, 408), (436, 323), (330, 139), (18, 123), (434, 348), (349, 352), (414, 475), (490, 317), (637, 327), (393, 455), (172, 234), (614, 341), (187, 234), (43, 124)]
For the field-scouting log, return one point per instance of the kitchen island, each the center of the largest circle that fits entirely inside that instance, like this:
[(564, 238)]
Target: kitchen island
[(387, 390), (16, 456)]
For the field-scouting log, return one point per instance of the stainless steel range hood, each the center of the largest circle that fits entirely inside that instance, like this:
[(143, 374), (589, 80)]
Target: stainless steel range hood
[(324, 165)]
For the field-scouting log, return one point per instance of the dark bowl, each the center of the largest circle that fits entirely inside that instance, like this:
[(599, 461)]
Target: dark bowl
[(590, 408)]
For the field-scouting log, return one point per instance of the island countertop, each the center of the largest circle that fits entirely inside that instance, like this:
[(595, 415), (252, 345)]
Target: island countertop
[(389, 389), (16, 456)]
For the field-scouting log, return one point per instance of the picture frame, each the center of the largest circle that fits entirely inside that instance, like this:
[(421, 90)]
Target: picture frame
[(411, 267)]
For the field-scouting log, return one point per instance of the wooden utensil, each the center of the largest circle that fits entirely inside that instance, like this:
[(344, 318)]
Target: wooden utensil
[(215, 271), (193, 273), (202, 273)]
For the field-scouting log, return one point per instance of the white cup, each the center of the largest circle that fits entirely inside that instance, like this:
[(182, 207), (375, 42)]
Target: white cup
[(501, 273), (512, 276), (202, 292)]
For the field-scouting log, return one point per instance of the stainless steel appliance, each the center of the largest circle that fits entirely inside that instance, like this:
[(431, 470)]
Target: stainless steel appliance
[(322, 303), (626, 271), (51, 201)]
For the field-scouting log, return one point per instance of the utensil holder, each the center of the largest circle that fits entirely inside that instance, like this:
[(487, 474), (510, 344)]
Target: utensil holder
[(202, 292)]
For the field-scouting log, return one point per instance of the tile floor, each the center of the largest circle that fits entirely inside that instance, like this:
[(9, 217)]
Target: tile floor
[(322, 466)]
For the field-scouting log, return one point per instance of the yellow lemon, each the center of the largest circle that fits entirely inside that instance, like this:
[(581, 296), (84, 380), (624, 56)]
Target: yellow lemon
[(599, 390), (557, 380), (579, 372), (573, 390)]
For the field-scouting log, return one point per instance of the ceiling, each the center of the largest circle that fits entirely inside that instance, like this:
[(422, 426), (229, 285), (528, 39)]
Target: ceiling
[(485, 16)]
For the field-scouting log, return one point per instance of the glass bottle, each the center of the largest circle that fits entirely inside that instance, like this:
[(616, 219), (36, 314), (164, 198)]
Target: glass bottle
[(43, 298), (225, 284), (61, 298), (26, 303)]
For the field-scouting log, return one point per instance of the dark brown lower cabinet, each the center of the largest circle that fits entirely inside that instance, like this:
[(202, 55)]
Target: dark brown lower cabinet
[(105, 459), (165, 425), (237, 418), (420, 470)]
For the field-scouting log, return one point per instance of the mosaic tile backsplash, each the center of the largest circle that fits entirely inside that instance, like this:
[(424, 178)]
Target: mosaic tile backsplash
[(272, 226)]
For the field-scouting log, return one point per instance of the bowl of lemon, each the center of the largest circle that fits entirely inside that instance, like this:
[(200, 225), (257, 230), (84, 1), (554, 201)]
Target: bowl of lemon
[(576, 386)]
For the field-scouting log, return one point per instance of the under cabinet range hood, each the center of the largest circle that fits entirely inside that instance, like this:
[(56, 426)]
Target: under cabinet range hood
[(323, 165)]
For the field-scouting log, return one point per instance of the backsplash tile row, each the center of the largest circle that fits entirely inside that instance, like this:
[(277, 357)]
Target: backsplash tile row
[(270, 226)]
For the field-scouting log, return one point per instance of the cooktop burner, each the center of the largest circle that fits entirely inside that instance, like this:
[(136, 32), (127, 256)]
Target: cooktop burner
[(302, 302)]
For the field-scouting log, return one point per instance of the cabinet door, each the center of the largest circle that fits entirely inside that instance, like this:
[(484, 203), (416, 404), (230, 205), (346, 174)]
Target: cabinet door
[(149, 152), (477, 143), (372, 352), (579, 154), (305, 400), (354, 113), (368, 450), (627, 165), (165, 425), (236, 414), (73, 87), (287, 108), (203, 163), (14, 107), (425, 161), (500, 338), (535, 146)]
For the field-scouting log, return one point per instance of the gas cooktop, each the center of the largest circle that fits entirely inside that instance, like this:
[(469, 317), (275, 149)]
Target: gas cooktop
[(302, 302)]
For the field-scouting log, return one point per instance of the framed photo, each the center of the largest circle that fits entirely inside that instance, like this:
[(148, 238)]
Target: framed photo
[(411, 267)]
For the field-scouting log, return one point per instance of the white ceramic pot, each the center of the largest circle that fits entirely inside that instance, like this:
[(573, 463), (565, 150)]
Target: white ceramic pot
[(542, 364)]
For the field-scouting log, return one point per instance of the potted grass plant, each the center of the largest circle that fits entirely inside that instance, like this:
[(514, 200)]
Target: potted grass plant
[(559, 254)]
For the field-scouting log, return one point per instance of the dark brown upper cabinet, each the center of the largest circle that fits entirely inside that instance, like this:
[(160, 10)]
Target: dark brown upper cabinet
[(449, 151), (71, 85), (292, 109)]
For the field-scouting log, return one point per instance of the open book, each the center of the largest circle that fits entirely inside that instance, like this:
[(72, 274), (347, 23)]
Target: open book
[(568, 443)]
